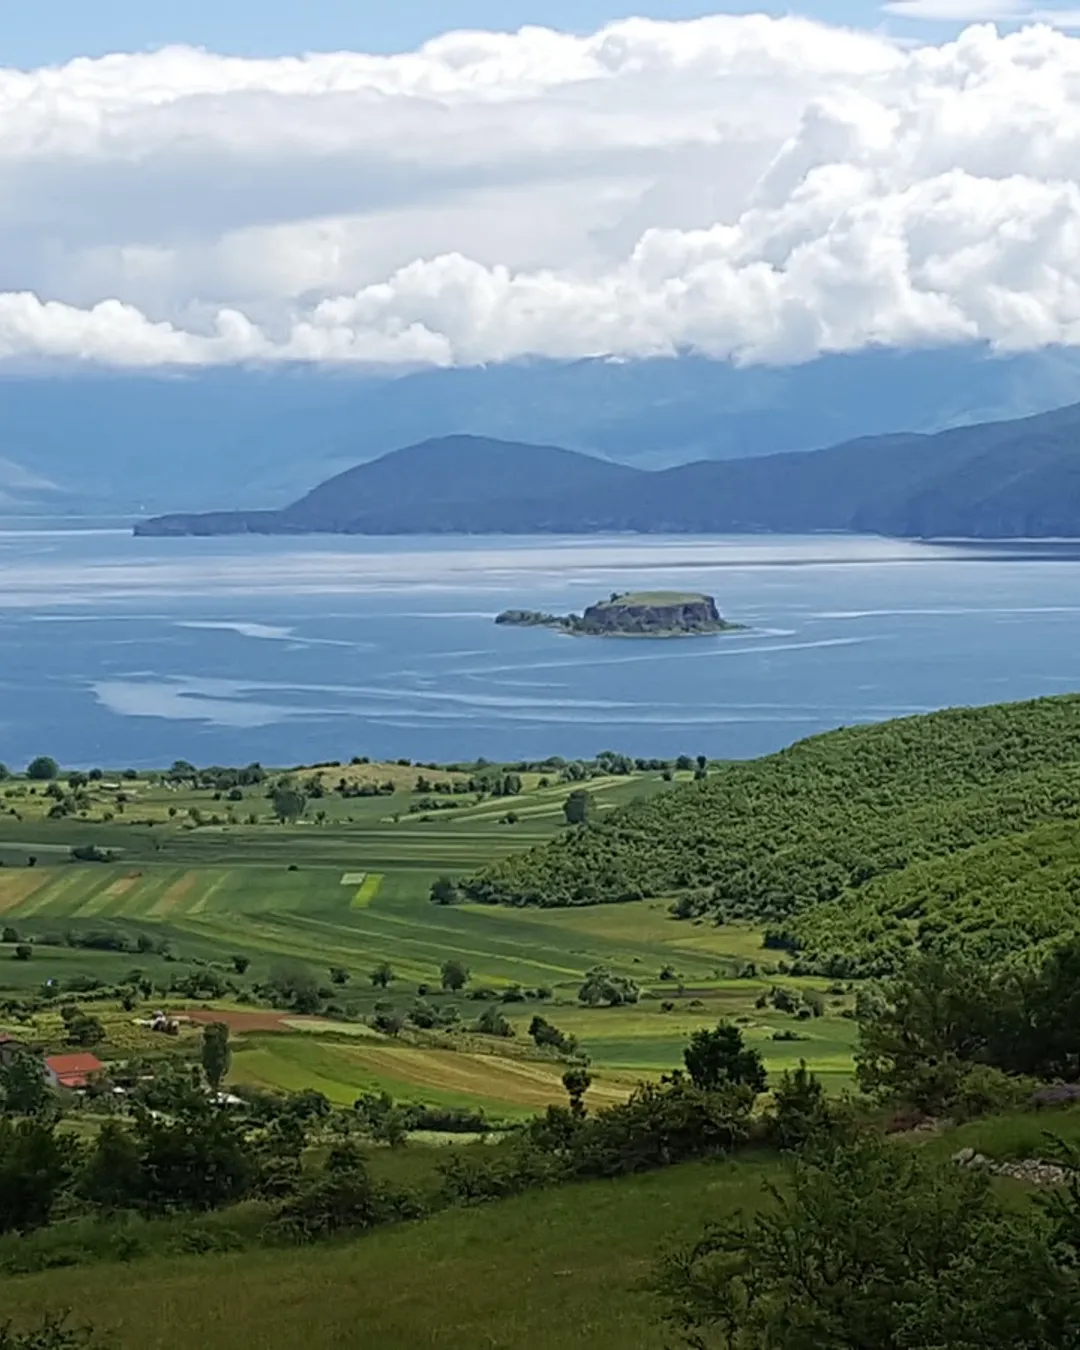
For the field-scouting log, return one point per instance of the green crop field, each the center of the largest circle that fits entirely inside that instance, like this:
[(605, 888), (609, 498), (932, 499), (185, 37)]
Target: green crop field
[(351, 892)]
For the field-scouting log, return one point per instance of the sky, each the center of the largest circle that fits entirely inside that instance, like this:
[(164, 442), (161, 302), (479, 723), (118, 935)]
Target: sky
[(192, 184), (49, 31)]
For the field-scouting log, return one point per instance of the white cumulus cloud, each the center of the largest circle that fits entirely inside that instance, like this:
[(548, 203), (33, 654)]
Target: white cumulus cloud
[(752, 188)]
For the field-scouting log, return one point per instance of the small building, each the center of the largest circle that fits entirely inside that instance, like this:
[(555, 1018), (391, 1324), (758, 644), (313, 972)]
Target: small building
[(72, 1072)]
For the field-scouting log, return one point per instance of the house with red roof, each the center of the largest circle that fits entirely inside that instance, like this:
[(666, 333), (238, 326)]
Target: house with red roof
[(72, 1071)]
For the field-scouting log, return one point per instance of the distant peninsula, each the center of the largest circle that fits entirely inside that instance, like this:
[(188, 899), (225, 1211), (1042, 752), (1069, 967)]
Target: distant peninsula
[(632, 614)]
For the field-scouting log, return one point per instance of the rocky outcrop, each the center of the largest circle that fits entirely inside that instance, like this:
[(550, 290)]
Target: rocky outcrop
[(645, 614), (1033, 1171), (631, 614)]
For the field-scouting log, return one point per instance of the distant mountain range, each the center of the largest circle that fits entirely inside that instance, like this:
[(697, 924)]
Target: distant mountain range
[(195, 441), (1012, 479)]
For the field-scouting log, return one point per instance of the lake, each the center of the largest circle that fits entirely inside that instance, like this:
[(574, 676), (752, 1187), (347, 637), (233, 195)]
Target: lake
[(120, 651)]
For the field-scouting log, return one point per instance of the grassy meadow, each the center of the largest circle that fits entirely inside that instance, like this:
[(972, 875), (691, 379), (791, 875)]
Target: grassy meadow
[(350, 890)]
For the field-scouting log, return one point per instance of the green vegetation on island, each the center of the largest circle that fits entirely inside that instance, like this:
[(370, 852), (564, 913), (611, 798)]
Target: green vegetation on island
[(656, 614)]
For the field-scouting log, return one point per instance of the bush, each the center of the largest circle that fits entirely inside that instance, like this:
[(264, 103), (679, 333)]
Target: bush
[(982, 1090), (342, 1198), (800, 1111), (53, 1333)]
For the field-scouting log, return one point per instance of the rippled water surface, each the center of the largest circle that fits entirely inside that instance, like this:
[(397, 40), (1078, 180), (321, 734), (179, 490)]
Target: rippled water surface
[(121, 651)]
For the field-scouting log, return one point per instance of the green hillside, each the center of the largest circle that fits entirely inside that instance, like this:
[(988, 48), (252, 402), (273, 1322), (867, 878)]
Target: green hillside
[(849, 845)]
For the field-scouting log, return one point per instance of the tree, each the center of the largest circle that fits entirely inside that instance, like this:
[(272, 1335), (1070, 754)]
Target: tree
[(800, 1110), (444, 892), (602, 987), (873, 1244), (577, 1082), (389, 1022), (23, 952), (579, 806), (383, 975), (216, 1055), (545, 1033), (36, 1164), (339, 975), (43, 769), (455, 975), (198, 1157), (716, 1057), (491, 1022), (112, 1177), (24, 1090), (10, 935), (296, 986), (240, 964), (289, 803), (82, 1028)]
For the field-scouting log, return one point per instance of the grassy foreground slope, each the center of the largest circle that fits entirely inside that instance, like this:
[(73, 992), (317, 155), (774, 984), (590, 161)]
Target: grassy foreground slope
[(567, 1267), (824, 822)]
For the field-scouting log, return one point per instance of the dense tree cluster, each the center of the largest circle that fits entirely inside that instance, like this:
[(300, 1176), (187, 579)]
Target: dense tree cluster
[(853, 845), (927, 1031)]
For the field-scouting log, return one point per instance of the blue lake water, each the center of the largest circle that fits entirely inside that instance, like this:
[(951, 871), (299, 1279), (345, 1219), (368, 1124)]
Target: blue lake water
[(118, 651)]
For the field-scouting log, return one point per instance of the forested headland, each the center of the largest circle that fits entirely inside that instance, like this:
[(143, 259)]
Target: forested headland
[(957, 829)]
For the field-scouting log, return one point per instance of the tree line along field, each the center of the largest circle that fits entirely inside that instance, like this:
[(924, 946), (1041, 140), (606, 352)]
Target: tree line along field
[(352, 892)]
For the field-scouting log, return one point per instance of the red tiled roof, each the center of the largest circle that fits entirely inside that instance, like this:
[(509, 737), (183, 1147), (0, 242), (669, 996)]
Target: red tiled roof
[(65, 1065)]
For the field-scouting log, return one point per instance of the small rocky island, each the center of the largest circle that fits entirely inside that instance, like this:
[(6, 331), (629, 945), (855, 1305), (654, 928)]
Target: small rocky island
[(633, 614)]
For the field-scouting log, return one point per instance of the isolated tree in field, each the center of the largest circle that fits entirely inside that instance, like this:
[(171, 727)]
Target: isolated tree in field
[(579, 807), (602, 987), (383, 975), (714, 1058), (296, 986), (216, 1055), (455, 975), (82, 1028), (240, 964), (289, 803), (43, 769), (23, 952), (5, 773), (9, 935), (444, 892), (577, 1082)]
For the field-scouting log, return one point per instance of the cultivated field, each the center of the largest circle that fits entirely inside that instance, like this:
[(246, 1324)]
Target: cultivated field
[(351, 892)]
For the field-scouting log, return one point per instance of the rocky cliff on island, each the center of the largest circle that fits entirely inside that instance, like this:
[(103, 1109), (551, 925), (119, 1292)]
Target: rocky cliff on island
[(633, 614)]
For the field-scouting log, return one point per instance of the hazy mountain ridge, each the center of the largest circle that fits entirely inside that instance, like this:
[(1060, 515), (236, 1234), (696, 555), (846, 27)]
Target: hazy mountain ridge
[(1006, 479), (206, 440)]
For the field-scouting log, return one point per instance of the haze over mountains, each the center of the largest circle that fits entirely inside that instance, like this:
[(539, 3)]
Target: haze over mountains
[(142, 443), (1014, 479)]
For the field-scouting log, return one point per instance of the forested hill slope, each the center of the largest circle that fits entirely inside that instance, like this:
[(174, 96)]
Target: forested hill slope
[(1017, 479), (844, 826)]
